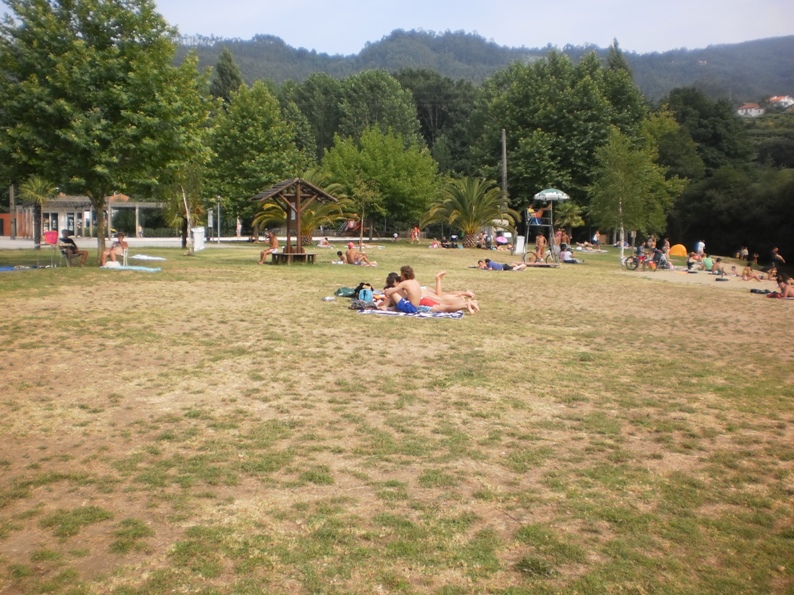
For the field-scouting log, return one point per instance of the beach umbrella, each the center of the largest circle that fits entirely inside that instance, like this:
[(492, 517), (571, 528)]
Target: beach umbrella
[(551, 195)]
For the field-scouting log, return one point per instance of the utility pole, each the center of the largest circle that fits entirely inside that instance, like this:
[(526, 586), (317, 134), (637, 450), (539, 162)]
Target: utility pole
[(504, 167)]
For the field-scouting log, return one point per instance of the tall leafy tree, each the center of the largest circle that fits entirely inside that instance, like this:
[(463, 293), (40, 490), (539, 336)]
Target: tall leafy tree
[(383, 175), (443, 107), (719, 135), (302, 132), (226, 78), (630, 190), (253, 149), (319, 98), (677, 151), (470, 204), (556, 115), (375, 98), (90, 97)]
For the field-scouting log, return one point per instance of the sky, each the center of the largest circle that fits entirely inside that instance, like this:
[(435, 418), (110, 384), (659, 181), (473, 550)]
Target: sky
[(345, 26)]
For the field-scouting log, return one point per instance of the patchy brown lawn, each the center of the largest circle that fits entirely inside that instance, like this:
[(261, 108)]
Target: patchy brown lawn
[(216, 427)]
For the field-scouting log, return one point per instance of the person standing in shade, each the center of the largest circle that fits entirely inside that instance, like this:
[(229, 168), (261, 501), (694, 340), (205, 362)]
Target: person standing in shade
[(777, 259)]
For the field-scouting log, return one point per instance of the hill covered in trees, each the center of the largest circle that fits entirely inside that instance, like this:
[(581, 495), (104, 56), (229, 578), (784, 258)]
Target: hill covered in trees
[(740, 72)]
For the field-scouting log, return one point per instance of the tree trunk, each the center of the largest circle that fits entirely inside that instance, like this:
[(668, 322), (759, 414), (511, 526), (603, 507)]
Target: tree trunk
[(99, 208), (306, 240), (470, 240), (38, 223)]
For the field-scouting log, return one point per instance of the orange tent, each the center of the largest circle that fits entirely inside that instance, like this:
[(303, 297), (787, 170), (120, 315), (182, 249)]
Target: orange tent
[(678, 250)]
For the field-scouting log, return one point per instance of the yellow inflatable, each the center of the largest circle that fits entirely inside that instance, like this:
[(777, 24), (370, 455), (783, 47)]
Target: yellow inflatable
[(678, 250)]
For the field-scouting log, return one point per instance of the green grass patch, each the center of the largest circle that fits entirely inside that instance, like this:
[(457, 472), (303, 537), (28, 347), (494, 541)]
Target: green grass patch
[(68, 523)]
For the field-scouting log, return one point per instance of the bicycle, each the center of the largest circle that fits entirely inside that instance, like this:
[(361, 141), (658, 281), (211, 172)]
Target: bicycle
[(643, 260), (532, 257)]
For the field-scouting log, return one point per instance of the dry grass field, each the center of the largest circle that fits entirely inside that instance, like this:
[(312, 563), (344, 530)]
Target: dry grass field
[(218, 428)]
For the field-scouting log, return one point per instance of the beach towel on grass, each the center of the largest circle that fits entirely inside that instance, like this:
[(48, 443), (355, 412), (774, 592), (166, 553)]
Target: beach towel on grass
[(132, 268), (416, 315)]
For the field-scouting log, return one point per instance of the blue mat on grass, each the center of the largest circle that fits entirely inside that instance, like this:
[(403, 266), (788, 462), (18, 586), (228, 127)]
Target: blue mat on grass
[(417, 315)]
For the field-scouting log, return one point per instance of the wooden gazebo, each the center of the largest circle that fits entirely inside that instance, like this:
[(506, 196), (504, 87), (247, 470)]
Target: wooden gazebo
[(295, 196)]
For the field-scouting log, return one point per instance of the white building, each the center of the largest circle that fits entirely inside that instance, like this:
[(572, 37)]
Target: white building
[(750, 110), (782, 101)]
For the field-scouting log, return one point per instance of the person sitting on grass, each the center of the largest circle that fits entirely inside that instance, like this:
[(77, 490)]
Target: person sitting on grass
[(748, 274), (567, 256), (324, 243), (353, 256), (786, 285), (692, 262), (707, 263), (718, 268)]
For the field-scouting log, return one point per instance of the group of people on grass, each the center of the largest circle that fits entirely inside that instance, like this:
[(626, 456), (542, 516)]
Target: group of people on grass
[(352, 256), (71, 250), (403, 293)]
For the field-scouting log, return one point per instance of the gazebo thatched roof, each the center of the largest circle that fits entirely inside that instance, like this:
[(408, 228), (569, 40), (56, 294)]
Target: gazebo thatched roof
[(288, 190)]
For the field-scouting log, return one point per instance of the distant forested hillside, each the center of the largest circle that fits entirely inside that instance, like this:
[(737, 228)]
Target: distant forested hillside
[(740, 72)]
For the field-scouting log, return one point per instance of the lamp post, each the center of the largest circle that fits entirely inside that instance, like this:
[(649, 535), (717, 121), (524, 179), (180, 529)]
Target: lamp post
[(218, 203)]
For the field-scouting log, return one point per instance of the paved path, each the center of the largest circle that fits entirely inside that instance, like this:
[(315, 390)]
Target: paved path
[(7, 243)]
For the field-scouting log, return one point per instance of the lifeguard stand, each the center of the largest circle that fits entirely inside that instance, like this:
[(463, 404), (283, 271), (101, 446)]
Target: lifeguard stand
[(544, 223)]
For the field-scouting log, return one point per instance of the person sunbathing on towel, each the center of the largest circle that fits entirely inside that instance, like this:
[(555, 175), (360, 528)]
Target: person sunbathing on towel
[(406, 297), (438, 294), (353, 256)]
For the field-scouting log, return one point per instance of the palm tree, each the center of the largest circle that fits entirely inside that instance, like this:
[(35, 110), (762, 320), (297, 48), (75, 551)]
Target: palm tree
[(568, 215), (38, 191), (318, 214), (470, 204)]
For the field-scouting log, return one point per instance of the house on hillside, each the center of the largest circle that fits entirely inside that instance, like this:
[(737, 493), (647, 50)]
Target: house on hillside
[(781, 101), (750, 110)]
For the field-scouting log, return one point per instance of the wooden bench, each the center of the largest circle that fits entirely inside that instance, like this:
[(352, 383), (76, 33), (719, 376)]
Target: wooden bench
[(289, 257)]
